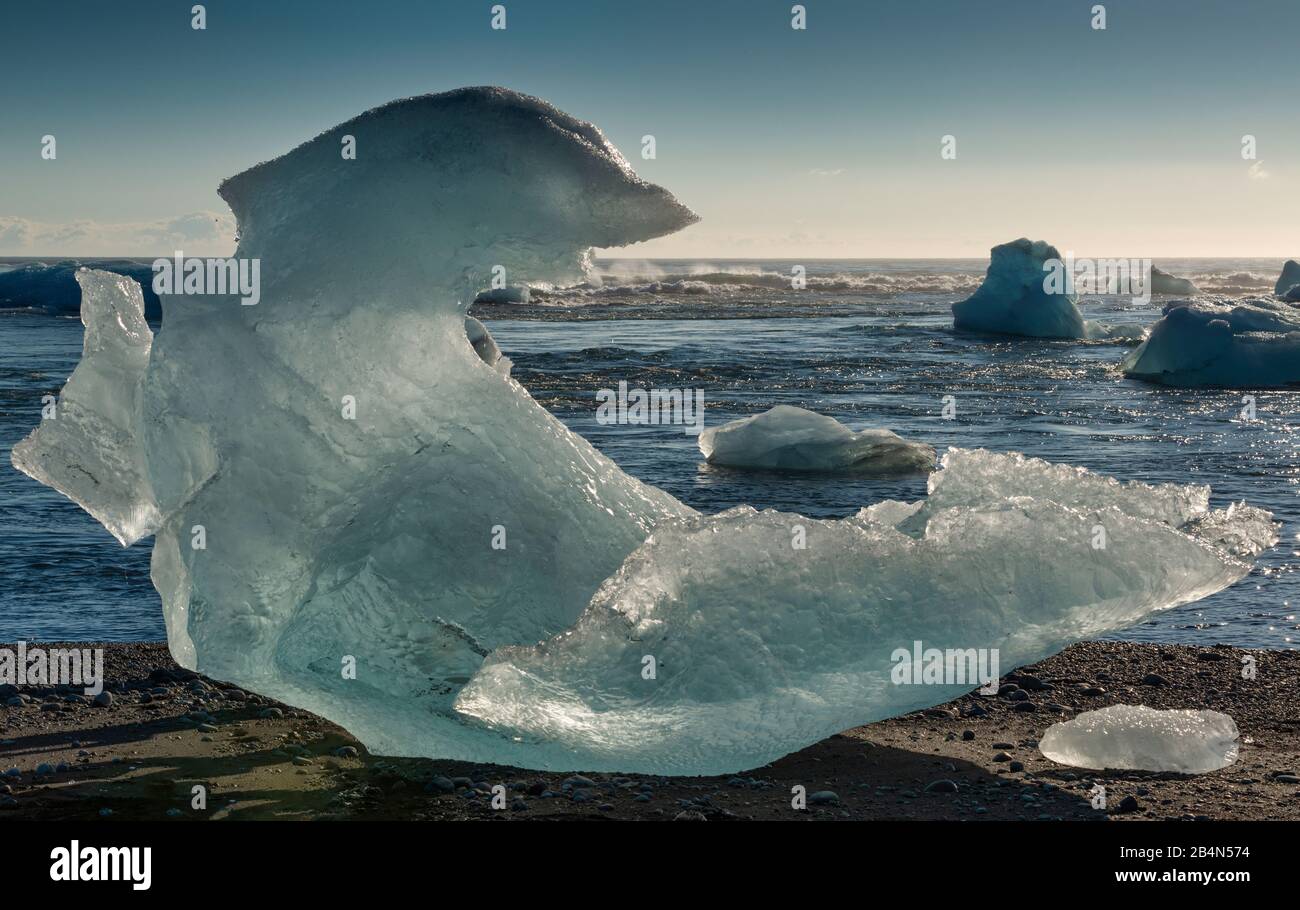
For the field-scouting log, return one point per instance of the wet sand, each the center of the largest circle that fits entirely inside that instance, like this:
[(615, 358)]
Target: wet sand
[(169, 730)]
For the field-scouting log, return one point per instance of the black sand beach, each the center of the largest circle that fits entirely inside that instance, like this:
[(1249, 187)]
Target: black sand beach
[(168, 730)]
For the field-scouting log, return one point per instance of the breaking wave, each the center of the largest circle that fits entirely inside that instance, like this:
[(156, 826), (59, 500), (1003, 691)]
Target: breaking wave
[(49, 287), (52, 289), (725, 283)]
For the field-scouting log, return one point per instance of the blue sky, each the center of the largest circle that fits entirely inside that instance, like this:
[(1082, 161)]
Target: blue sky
[(822, 142)]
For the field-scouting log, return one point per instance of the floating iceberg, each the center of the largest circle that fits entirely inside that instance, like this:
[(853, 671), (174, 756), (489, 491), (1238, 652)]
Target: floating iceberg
[(1164, 283), (508, 294), (787, 438), (356, 511), (1289, 280), (1223, 342), (1013, 299), (1144, 739)]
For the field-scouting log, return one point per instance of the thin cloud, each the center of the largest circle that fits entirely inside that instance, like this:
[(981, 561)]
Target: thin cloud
[(197, 233)]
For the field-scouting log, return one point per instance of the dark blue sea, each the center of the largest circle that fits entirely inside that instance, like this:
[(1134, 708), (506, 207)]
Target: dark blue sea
[(869, 342)]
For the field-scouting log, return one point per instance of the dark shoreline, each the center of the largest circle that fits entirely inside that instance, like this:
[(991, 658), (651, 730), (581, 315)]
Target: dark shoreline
[(168, 730)]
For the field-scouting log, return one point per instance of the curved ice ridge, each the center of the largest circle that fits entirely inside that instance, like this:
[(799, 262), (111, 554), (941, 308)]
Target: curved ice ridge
[(343, 473), (761, 647)]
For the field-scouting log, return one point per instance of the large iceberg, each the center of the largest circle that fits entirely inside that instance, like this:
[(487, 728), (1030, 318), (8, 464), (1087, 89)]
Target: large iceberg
[(335, 474), (356, 510), (1014, 300), (1224, 342), (1135, 737), (1288, 281), (787, 438)]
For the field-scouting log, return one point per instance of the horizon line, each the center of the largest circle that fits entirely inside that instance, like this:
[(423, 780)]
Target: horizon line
[(694, 257)]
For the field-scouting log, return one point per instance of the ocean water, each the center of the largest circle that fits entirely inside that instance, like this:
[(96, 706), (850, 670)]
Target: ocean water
[(869, 342)]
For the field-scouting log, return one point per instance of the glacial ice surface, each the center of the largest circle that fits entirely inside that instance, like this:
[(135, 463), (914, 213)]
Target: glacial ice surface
[(1144, 739), (1013, 300), (1224, 342), (760, 646), (372, 489), (787, 438), (90, 447)]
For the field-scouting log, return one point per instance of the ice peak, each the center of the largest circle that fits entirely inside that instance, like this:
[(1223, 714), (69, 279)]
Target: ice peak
[(1013, 299), (481, 167)]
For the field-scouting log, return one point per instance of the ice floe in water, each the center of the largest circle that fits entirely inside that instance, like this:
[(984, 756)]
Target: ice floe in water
[(1289, 280), (1224, 342), (508, 294), (1164, 283), (1144, 739), (1013, 300), (341, 475), (787, 438)]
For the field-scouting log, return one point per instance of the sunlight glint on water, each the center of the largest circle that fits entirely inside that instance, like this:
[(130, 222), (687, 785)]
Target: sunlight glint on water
[(869, 343)]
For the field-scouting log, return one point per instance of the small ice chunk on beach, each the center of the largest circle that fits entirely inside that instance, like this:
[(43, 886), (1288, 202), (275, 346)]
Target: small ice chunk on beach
[(1144, 739), (788, 438)]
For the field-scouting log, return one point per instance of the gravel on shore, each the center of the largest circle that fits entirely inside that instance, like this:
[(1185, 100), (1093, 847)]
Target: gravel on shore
[(164, 737)]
